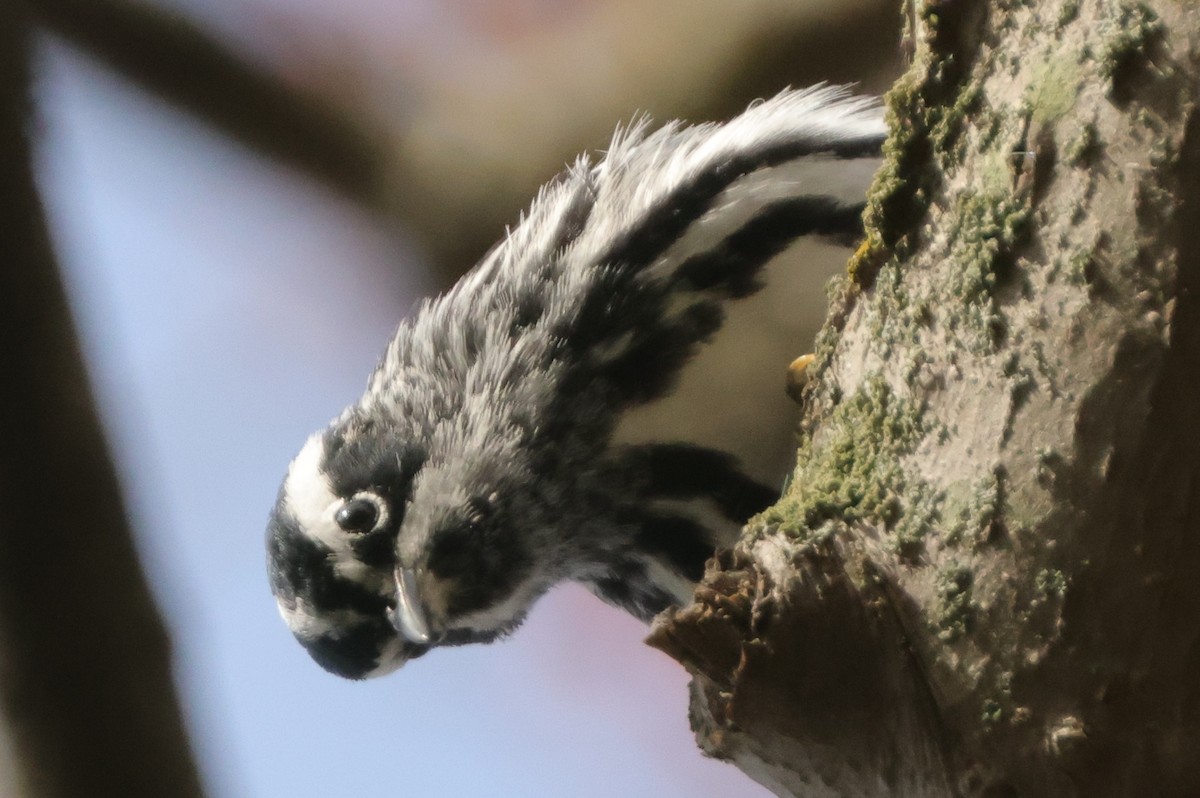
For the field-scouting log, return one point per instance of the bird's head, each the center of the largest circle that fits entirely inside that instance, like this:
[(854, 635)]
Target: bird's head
[(379, 551)]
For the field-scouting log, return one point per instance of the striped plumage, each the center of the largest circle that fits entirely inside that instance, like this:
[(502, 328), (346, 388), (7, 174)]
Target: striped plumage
[(481, 466)]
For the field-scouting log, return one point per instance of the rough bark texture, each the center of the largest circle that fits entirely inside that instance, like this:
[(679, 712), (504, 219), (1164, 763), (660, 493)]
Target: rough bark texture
[(85, 683), (983, 578)]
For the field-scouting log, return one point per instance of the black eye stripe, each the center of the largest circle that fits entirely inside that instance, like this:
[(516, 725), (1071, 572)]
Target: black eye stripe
[(376, 550), (301, 568)]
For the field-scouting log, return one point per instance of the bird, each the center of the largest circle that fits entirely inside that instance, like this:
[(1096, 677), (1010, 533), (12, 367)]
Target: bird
[(484, 463)]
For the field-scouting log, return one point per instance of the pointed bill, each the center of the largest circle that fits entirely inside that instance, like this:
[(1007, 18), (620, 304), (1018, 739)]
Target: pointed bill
[(409, 616)]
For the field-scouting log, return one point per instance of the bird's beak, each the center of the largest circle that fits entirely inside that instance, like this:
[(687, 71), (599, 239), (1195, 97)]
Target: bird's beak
[(409, 616)]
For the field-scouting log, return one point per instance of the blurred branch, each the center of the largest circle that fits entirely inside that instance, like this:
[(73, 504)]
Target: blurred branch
[(860, 48), (85, 681), (464, 169), (459, 172), (183, 64)]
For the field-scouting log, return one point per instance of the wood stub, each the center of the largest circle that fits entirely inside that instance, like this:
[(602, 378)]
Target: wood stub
[(803, 678)]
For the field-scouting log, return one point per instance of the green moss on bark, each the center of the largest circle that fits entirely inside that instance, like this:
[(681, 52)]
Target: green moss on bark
[(955, 606), (972, 510), (855, 472), (1128, 36)]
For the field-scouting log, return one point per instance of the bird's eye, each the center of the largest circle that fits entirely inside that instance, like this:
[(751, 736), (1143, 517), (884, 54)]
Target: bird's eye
[(357, 515)]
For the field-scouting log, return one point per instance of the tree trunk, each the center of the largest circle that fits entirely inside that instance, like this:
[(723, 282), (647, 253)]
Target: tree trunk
[(983, 577)]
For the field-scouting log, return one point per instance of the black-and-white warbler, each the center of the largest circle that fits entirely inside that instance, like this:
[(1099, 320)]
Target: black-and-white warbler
[(481, 467)]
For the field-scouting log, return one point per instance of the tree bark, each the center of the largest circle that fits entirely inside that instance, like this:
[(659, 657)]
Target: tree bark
[(85, 682), (982, 579)]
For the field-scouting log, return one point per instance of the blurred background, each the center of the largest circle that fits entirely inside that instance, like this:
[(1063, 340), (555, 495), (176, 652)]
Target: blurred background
[(243, 198)]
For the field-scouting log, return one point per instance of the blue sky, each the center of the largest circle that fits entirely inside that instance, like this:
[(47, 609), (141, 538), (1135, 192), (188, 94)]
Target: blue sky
[(228, 308)]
